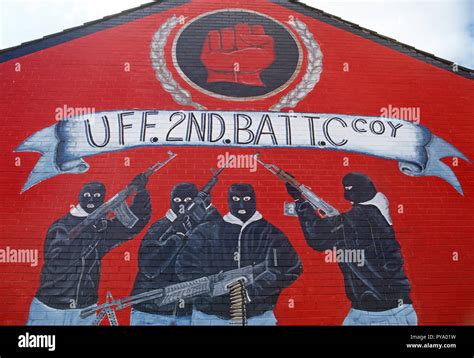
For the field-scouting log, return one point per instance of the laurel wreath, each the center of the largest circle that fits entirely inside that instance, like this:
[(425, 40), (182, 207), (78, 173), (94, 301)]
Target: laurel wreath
[(157, 54), (182, 96), (313, 70)]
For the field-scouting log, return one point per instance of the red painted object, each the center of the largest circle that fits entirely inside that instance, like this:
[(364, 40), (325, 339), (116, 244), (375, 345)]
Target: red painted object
[(237, 54), (360, 75)]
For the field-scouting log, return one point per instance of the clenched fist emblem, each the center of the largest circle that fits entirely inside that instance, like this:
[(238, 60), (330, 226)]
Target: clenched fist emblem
[(238, 54)]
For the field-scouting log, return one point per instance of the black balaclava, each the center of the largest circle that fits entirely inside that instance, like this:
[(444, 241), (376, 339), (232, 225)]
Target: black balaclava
[(92, 196), (181, 196), (242, 201), (358, 188)]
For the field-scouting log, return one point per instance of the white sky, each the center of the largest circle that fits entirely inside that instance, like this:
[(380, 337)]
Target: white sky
[(442, 27)]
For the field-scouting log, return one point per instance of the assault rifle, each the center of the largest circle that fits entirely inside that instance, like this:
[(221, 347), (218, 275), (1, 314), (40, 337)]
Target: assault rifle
[(213, 286), (315, 201), (196, 211), (118, 204)]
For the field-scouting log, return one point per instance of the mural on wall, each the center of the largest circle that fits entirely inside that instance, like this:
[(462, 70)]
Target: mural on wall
[(159, 251), (364, 239), (195, 266), (242, 238), (64, 144), (76, 243)]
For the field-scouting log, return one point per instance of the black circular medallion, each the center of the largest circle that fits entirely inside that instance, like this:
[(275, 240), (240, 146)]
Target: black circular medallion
[(236, 54)]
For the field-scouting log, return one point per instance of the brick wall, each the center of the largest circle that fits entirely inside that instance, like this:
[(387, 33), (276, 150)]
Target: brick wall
[(111, 69)]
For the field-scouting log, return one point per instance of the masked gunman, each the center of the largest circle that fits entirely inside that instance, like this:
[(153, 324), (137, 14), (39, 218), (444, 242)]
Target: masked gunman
[(71, 270), (165, 239), (378, 288), (242, 238)]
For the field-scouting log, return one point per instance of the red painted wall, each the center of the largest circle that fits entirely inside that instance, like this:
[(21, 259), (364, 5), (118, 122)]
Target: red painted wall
[(89, 72)]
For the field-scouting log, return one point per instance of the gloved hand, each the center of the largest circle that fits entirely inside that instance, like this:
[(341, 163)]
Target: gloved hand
[(140, 181), (292, 191), (199, 211), (206, 198), (100, 224), (246, 45)]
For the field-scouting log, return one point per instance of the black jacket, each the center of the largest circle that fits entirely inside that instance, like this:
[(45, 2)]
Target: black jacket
[(214, 247), (71, 269), (380, 283), (157, 261)]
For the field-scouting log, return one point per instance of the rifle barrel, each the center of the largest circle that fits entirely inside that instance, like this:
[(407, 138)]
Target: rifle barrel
[(159, 165), (218, 171), (281, 174)]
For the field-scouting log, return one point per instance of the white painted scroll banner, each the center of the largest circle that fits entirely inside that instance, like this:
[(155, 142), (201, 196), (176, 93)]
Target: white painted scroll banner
[(64, 144)]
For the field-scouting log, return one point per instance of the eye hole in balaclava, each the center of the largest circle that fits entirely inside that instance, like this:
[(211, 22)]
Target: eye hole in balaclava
[(358, 188), (242, 201), (92, 196), (181, 196)]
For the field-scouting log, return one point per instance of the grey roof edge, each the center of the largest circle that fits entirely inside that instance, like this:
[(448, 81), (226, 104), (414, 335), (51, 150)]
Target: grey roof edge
[(88, 28), (386, 41), (161, 5)]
